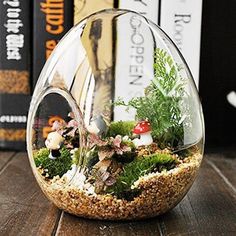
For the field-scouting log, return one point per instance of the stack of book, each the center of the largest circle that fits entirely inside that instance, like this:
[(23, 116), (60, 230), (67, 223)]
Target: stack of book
[(27, 40)]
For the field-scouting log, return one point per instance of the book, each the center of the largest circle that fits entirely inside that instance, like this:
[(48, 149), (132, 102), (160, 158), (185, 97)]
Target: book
[(51, 20), (119, 48), (149, 9), (13, 119), (217, 75), (14, 72), (181, 20), (98, 66), (84, 8), (134, 53)]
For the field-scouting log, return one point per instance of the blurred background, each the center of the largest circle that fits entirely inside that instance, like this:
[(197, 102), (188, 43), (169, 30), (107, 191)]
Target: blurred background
[(203, 31)]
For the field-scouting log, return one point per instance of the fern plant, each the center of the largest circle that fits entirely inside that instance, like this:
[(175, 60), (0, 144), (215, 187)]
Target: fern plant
[(162, 102)]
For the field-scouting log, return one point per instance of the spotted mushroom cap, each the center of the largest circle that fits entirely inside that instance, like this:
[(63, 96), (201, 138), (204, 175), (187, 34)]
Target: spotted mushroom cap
[(142, 127)]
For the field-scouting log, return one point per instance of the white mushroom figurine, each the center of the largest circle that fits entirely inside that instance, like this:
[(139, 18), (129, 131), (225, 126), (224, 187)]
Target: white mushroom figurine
[(143, 128), (53, 143)]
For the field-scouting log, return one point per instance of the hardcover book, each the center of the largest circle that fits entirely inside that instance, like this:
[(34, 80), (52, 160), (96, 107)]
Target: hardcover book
[(84, 8), (133, 43), (52, 19), (181, 20), (149, 9), (14, 72), (218, 84)]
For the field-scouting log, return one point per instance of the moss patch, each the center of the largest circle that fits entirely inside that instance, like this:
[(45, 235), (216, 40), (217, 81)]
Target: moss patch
[(122, 128), (140, 167), (50, 167)]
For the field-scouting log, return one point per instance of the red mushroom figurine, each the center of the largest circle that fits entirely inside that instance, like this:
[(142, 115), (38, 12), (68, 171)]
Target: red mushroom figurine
[(143, 128)]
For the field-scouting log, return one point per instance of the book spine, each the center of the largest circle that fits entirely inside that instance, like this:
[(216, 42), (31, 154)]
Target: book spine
[(83, 9), (13, 118), (52, 19), (96, 42), (14, 72), (181, 20), (134, 54), (149, 9), (14, 46)]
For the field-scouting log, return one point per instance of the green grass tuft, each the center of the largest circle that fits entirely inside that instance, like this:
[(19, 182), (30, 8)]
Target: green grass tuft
[(122, 128), (53, 167), (138, 168)]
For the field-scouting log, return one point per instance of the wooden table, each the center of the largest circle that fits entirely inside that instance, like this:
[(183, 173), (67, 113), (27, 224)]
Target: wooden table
[(208, 209)]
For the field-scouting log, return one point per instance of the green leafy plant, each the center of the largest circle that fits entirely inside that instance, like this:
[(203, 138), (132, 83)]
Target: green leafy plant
[(122, 128), (55, 167), (162, 102), (139, 167)]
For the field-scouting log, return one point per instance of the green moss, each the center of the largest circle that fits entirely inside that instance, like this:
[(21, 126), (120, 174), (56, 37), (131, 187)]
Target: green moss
[(138, 168), (122, 128), (53, 167)]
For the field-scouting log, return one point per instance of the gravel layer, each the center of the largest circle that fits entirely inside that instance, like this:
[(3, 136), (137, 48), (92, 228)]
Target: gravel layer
[(160, 192)]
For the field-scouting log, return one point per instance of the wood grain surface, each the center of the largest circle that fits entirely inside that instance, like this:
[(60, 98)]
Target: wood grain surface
[(208, 209)]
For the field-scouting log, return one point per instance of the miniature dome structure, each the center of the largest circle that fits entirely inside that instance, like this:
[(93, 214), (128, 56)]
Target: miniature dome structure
[(115, 128)]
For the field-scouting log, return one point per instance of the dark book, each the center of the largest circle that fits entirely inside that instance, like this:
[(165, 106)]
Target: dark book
[(13, 118), (14, 72), (52, 19), (217, 77)]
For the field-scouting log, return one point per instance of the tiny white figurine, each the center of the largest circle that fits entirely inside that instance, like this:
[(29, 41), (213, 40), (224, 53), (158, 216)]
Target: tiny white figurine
[(53, 143), (97, 126), (143, 128)]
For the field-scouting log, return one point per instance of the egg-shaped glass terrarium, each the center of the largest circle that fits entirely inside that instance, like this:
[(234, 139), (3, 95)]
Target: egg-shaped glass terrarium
[(115, 128)]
